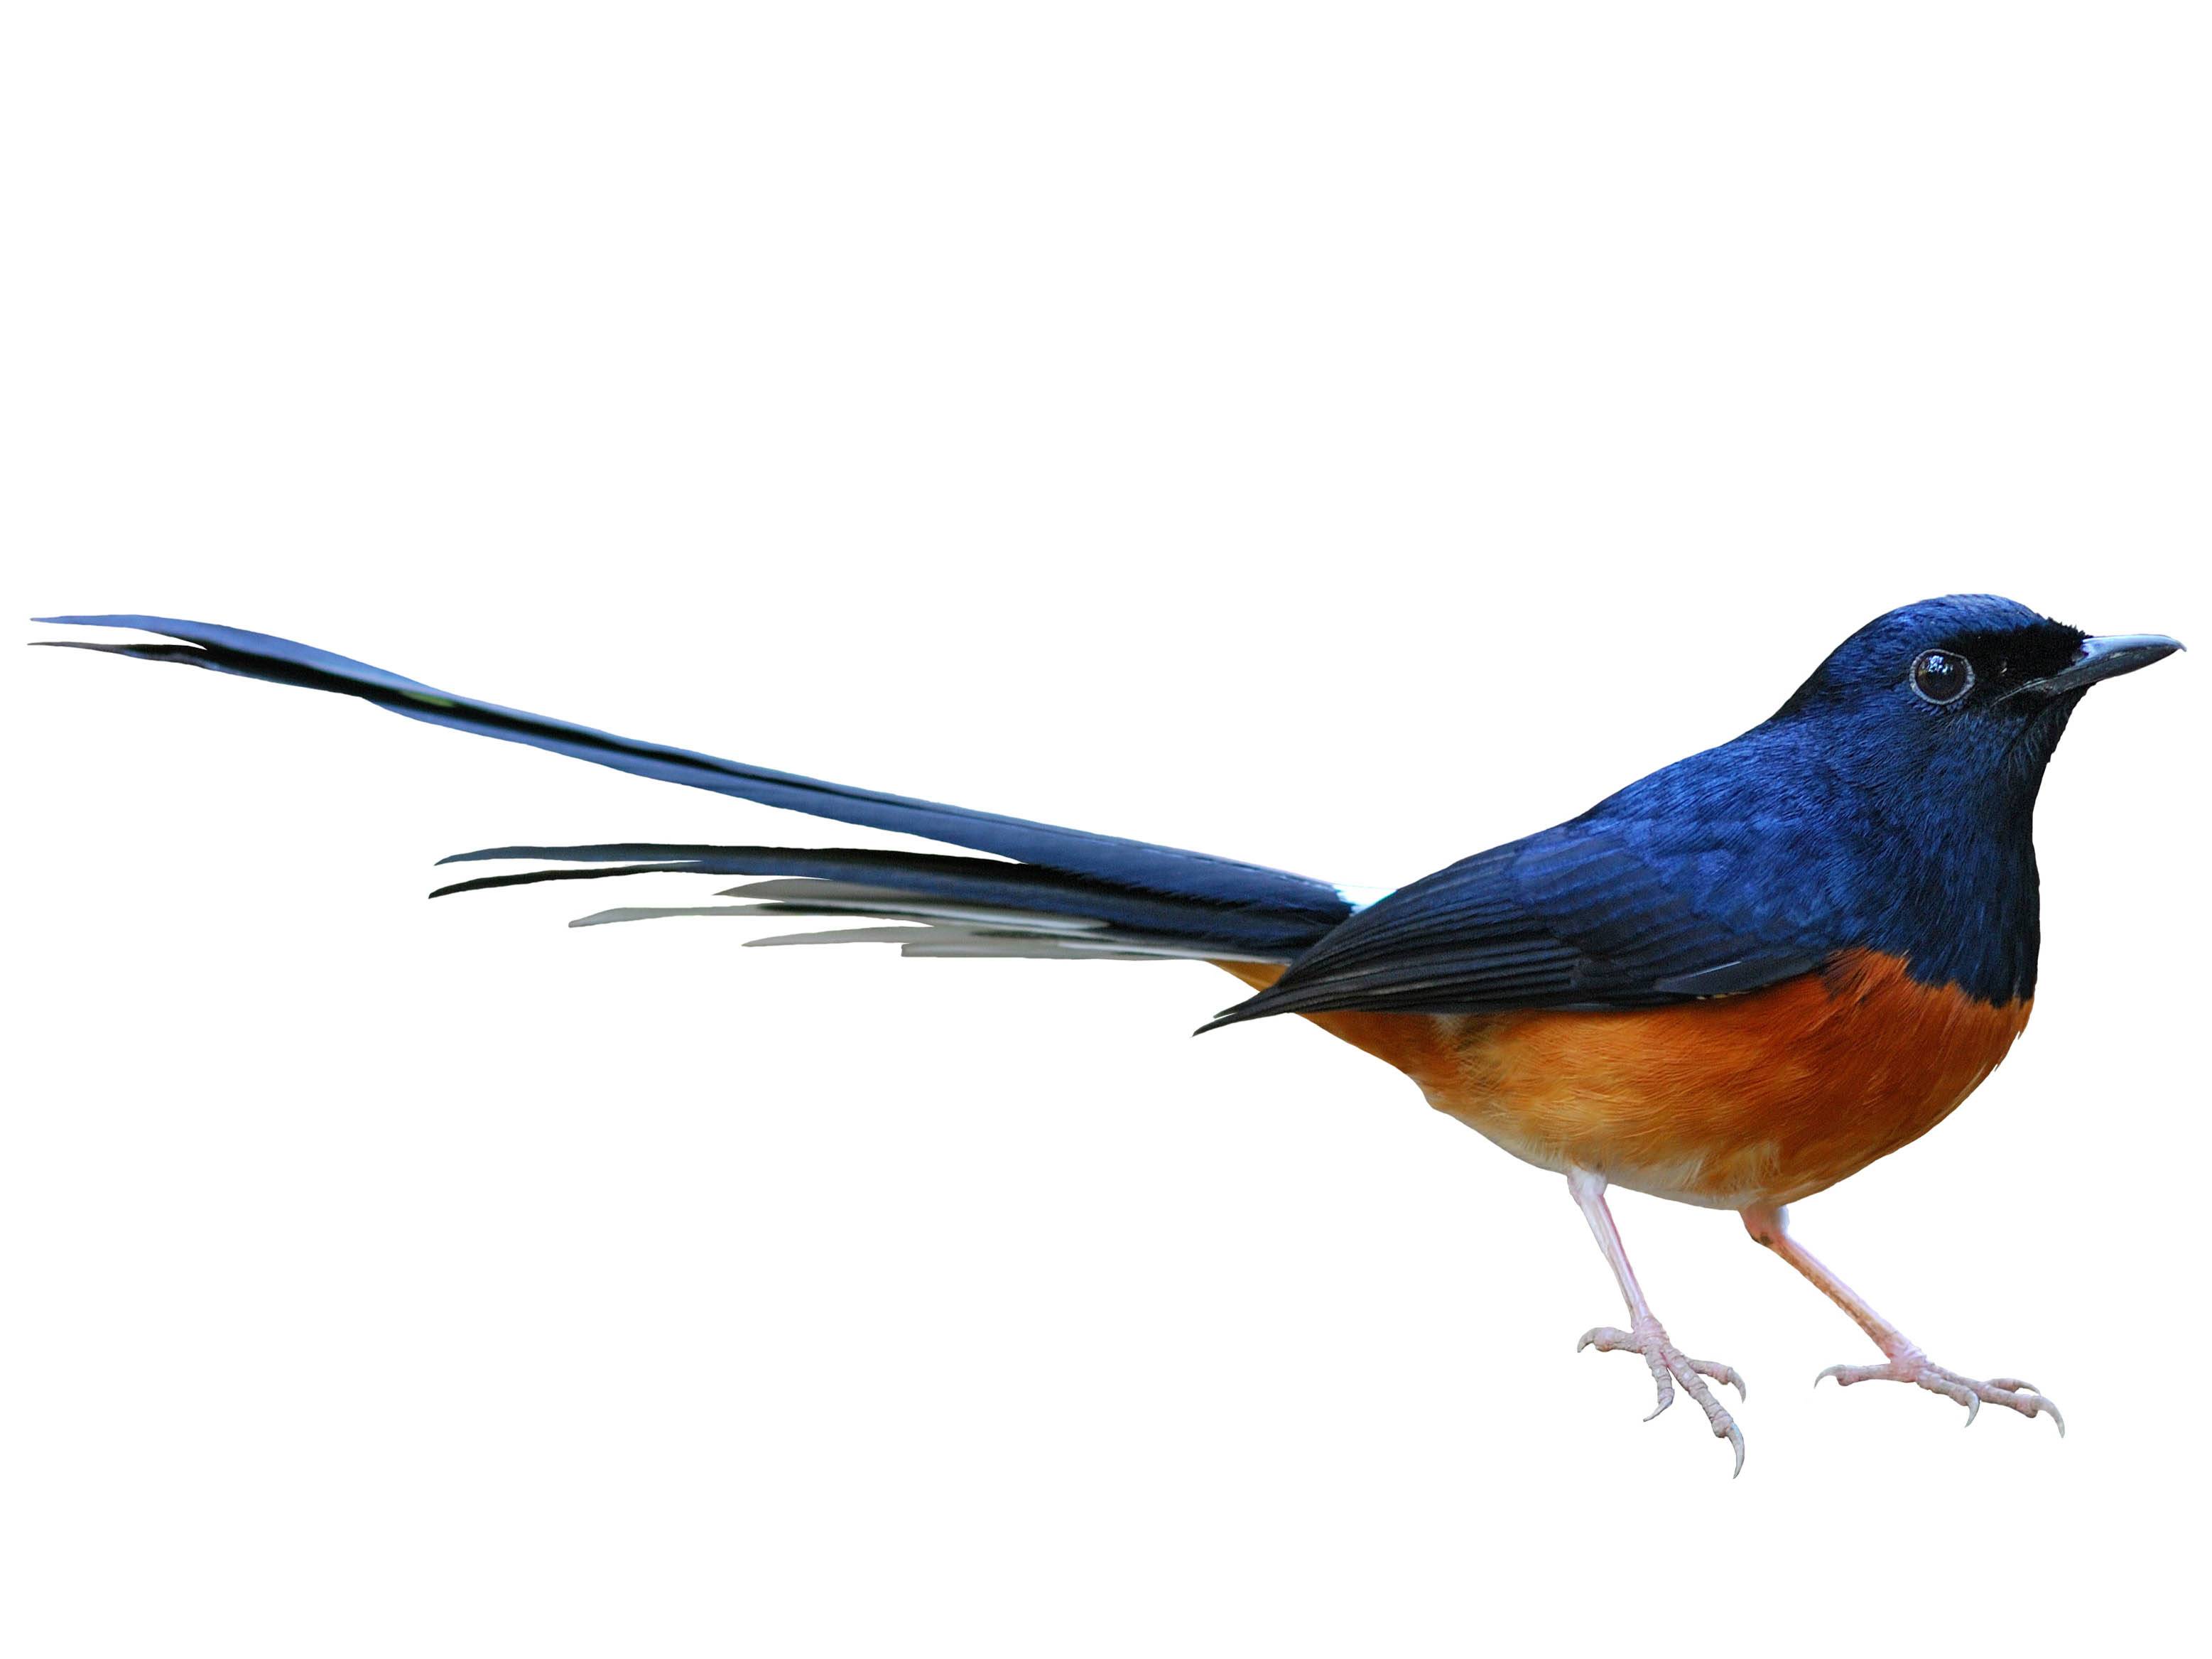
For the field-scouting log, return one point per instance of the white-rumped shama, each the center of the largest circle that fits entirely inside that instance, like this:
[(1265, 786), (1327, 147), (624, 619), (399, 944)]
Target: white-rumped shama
[(1733, 984)]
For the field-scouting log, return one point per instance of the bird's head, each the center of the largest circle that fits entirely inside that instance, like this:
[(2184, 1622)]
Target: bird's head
[(1967, 694)]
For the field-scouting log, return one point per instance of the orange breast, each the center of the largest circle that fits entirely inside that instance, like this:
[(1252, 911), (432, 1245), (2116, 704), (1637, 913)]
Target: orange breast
[(1760, 1098)]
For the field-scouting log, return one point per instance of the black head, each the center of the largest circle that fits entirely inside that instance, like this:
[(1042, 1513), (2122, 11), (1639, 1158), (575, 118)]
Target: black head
[(1968, 693)]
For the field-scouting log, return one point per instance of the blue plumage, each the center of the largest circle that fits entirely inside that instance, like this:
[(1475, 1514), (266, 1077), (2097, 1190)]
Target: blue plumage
[(1143, 866), (1881, 808), (1734, 983), (1861, 816)]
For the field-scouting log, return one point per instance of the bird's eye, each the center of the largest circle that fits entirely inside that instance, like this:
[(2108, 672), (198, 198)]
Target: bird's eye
[(1941, 677)]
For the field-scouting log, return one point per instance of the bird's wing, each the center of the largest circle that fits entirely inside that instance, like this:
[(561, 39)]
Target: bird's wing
[(1584, 916)]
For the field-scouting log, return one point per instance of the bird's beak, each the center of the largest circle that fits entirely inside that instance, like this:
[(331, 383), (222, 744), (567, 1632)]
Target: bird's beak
[(2102, 656)]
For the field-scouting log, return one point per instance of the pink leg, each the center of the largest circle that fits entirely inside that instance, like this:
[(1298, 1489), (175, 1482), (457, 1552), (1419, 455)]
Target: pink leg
[(1644, 1334), (1770, 1226)]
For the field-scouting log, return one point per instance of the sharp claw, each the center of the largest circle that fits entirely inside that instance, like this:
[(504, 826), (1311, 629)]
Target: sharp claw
[(1670, 1366), (1725, 1374), (2011, 1391), (1666, 1392)]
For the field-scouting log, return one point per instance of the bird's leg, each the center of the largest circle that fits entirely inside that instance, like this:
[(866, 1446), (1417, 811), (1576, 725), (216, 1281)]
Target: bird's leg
[(1770, 1225), (1646, 1334)]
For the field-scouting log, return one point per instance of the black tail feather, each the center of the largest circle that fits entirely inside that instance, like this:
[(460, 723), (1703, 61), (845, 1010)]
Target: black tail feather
[(1135, 866), (1126, 896), (924, 883)]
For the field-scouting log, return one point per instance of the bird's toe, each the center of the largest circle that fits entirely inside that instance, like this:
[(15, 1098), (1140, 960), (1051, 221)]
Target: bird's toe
[(1969, 1392)]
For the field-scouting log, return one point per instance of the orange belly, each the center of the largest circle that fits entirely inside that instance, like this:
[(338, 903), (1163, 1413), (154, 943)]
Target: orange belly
[(1761, 1098)]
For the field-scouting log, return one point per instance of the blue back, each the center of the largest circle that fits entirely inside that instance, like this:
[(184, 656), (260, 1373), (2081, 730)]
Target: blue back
[(1861, 816), (1875, 811)]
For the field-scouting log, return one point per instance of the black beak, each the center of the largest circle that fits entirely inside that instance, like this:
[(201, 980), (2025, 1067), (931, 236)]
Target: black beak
[(2104, 655)]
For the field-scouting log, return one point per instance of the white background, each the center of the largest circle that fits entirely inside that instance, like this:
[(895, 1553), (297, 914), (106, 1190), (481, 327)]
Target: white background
[(1339, 437)]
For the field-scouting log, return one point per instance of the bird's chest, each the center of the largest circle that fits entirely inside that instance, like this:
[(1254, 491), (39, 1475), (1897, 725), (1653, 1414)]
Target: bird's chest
[(1760, 1098)]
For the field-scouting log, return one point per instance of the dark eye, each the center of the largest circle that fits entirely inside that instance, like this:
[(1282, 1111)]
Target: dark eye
[(1941, 677)]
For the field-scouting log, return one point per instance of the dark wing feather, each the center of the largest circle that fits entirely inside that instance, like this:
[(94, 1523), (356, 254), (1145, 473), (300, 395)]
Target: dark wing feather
[(1577, 917)]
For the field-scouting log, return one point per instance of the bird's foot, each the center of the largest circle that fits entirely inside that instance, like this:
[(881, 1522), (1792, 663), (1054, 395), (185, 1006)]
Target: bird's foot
[(1914, 1366), (1669, 1366)]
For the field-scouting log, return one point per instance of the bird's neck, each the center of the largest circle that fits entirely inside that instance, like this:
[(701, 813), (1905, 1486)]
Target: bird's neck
[(1966, 913), (1954, 889)]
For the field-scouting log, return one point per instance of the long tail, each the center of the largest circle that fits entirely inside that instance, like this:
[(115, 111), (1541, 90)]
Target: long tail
[(1067, 893)]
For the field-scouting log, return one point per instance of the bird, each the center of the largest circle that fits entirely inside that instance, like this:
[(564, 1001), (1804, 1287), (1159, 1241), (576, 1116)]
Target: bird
[(1732, 984)]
